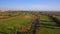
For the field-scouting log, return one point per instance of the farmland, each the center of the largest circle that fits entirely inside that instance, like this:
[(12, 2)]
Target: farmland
[(25, 22)]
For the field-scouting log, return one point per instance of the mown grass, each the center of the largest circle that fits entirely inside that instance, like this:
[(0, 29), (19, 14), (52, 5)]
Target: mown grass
[(14, 23), (46, 20), (58, 17), (45, 29), (49, 31), (43, 17)]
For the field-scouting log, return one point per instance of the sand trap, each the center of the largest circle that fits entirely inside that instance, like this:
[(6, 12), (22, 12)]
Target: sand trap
[(26, 16)]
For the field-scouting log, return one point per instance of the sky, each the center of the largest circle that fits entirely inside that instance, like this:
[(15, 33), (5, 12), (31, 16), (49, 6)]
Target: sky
[(51, 5)]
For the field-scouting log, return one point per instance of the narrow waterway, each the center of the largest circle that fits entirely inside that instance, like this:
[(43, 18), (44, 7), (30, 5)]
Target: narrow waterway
[(35, 25)]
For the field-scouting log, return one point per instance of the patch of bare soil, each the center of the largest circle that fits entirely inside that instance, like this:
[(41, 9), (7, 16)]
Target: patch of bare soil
[(4, 17), (26, 16)]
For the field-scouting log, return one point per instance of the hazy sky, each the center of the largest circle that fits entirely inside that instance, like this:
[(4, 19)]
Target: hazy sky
[(30, 5)]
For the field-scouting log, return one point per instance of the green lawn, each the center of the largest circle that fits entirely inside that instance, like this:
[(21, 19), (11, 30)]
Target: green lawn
[(58, 17), (14, 23), (44, 30), (46, 20), (49, 31)]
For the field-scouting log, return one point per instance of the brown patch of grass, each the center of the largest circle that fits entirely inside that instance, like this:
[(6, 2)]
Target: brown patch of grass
[(4, 17), (26, 16), (24, 29)]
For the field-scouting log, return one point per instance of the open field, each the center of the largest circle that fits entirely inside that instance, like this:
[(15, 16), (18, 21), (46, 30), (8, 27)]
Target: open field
[(20, 22)]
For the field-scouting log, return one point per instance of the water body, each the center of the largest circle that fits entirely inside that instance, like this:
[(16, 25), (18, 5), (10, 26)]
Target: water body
[(35, 26)]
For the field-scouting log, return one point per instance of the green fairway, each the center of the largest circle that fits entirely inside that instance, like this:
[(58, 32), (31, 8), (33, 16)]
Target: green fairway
[(49, 31), (46, 29), (46, 20), (58, 17), (14, 23), (25, 22)]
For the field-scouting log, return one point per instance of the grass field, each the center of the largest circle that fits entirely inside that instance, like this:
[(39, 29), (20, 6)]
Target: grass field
[(48, 27), (15, 23), (22, 22)]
